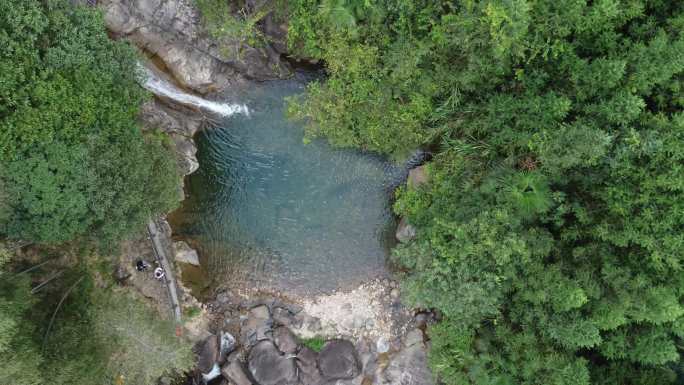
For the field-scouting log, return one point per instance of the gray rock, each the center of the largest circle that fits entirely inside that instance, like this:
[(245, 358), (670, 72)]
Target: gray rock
[(409, 366), (306, 365), (417, 177), (234, 372), (285, 340), (185, 253), (228, 345), (339, 360), (260, 311), (209, 355), (172, 31), (405, 231), (283, 317), (269, 367), (257, 326), (413, 337), (394, 294), (169, 119)]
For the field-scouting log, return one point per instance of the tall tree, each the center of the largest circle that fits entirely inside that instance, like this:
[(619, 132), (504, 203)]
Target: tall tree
[(74, 160), (550, 235)]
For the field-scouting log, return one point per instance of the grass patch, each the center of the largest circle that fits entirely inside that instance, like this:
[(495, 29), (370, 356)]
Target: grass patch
[(192, 312), (314, 343)]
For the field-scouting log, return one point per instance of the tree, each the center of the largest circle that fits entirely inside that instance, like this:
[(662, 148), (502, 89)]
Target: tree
[(75, 163), (550, 235)]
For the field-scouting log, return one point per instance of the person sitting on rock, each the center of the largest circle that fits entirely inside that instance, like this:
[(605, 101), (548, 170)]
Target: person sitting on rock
[(159, 273), (141, 265)]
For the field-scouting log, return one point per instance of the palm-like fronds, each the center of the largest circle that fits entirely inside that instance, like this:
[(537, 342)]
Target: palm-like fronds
[(338, 14)]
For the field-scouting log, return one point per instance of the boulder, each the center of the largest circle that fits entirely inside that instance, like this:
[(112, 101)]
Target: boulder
[(285, 340), (179, 125), (423, 318), (306, 365), (338, 360), (408, 366), (235, 373), (187, 161), (209, 355), (283, 317), (228, 345), (186, 254), (257, 326), (382, 345), (405, 231), (169, 119), (269, 367), (413, 337), (260, 311), (417, 177)]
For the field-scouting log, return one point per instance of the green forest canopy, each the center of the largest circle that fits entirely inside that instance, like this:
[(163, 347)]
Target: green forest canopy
[(76, 166), (551, 236), (75, 163)]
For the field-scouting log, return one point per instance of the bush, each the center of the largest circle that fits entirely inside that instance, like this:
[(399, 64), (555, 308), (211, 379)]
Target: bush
[(550, 233), (75, 163)]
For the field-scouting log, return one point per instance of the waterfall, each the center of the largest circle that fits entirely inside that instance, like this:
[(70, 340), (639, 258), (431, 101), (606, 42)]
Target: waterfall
[(160, 87)]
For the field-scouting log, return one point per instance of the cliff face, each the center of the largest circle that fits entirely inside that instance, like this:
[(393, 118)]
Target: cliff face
[(171, 30)]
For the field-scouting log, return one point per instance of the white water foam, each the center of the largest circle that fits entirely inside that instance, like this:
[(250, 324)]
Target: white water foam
[(161, 87)]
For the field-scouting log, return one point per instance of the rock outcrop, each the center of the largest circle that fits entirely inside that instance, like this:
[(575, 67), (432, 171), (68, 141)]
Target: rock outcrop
[(405, 231), (171, 31)]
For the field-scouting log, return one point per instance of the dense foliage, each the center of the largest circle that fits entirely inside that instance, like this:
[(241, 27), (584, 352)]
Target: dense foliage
[(551, 233), (75, 165), (74, 160), (74, 332)]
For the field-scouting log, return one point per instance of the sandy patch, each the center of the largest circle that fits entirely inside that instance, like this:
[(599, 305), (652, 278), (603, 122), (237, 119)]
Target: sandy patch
[(365, 311)]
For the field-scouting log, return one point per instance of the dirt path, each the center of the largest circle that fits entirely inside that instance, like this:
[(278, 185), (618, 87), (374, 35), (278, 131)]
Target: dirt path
[(169, 279)]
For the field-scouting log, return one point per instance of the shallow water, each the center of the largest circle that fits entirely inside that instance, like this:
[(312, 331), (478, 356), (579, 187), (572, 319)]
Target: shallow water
[(266, 209)]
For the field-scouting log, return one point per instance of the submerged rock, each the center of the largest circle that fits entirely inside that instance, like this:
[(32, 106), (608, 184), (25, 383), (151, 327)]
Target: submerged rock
[(228, 345), (185, 253), (405, 231), (338, 360), (269, 367)]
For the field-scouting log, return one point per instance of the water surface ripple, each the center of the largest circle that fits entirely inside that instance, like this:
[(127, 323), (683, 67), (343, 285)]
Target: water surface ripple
[(266, 208)]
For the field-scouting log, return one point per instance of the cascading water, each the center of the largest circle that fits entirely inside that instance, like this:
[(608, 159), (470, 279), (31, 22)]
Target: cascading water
[(160, 87)]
